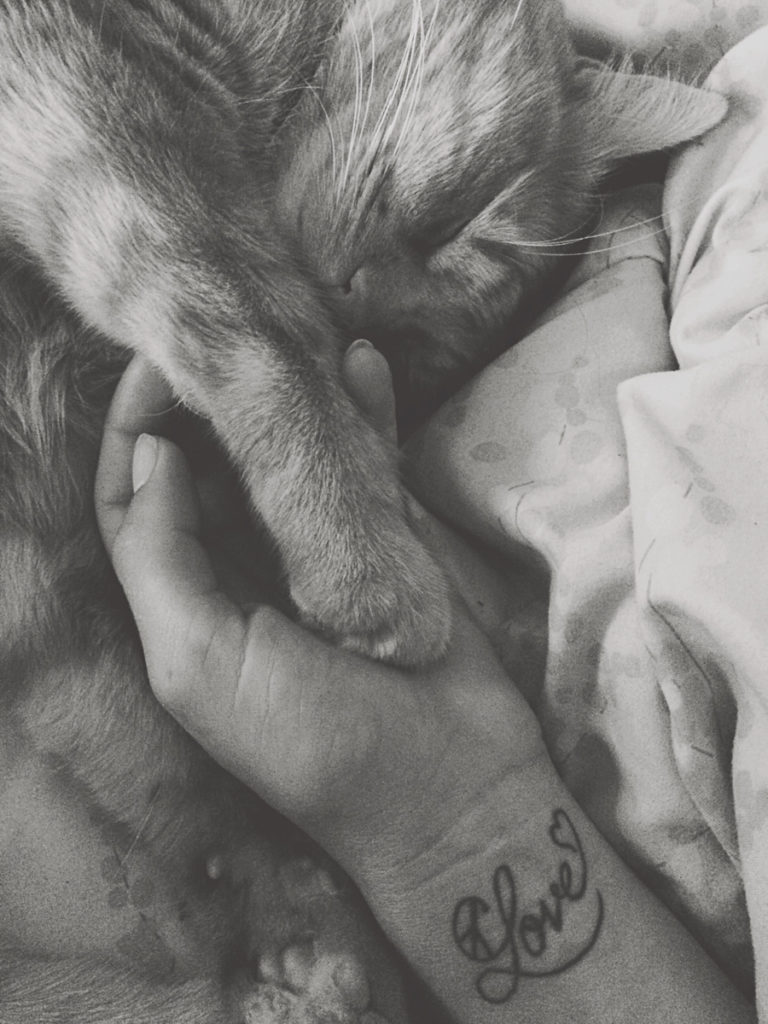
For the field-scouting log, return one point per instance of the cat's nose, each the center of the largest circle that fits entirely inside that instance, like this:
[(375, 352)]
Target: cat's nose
[(355, 285), (354, 296)]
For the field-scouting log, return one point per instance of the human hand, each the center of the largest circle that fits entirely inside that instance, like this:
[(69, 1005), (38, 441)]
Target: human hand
[(375, 763)]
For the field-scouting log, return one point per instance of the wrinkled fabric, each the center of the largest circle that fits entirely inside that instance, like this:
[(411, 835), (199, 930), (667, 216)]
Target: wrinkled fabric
[(688, 36), (625, 454)]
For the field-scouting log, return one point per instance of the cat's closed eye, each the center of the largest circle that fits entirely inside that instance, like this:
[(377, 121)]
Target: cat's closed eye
[(424, 242), (440, 233)]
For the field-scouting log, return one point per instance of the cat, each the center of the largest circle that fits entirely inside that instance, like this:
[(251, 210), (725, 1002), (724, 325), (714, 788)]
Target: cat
[(236, 189), (166, 170)]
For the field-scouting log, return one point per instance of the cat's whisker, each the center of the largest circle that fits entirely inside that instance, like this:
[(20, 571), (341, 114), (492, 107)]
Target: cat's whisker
[(565, 243), (571, 253), (372, 75), (403, 96), (384, 126), (657, 219), (329, 125), (413, 83), (100, 27), (516, 15), (567, 239), (355, 129), (408, 92), (362, 113), (416, 83)]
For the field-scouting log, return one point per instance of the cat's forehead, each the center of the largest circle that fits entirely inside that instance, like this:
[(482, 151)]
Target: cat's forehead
[(470, 55), (442, 91), (425, 113)]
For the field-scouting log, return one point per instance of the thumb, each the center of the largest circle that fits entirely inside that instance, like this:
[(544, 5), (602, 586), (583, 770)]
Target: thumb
[(218, 671), (190, 631)]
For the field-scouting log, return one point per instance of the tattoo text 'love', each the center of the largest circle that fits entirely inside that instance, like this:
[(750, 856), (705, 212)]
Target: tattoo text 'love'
[(510, 944)]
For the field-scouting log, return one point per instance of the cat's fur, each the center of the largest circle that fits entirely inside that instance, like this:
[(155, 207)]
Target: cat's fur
[(139, 169), (236, 189)]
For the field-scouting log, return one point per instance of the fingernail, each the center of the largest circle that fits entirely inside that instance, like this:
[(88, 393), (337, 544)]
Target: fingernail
[(360, 343), (144, 459)]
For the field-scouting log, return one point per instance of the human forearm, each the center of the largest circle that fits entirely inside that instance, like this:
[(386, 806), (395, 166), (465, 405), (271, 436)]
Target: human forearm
[(536, 919)]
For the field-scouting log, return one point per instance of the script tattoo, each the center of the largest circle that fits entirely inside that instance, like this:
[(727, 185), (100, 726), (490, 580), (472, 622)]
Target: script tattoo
[(519, 941)]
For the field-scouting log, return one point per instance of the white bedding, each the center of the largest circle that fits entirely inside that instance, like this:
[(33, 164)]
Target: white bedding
[(624, 457), (690, 35)]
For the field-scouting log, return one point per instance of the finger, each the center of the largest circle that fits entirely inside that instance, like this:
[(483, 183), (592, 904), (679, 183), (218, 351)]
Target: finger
[(279, 707), (261, 694), (140, 404), (159, 559), (368, 378), (193, 637), (214, 668)]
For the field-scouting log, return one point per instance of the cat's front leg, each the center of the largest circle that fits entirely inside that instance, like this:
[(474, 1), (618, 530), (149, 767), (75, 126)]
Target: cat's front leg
[(131, 187), (326, 484)]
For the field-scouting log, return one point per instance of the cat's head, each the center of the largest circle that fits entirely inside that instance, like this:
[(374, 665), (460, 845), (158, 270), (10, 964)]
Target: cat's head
[(442, 143)]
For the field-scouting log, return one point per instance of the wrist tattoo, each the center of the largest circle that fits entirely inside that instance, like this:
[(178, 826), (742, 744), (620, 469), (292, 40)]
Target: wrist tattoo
[(511, 945)]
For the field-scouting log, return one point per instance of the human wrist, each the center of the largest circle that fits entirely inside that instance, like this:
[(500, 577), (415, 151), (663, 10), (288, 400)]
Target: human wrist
[(391, 872), (432, 749), (527, 910)]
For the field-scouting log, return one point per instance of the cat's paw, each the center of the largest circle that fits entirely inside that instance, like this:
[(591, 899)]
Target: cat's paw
[(301, 985), (315, 956), (386, 599)]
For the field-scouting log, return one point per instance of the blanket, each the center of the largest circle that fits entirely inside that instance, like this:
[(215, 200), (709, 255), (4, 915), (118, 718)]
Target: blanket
[(617, 455), (689, 36)]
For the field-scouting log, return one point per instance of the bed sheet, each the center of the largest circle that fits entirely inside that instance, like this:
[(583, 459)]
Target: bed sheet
[(690, 36), (623, 458)]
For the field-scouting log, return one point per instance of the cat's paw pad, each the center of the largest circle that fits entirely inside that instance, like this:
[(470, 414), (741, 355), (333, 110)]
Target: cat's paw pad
[(270, 1004), (298, 985)]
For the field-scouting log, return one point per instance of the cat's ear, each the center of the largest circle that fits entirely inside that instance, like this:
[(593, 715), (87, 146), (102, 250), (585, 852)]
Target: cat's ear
[(633, 113)]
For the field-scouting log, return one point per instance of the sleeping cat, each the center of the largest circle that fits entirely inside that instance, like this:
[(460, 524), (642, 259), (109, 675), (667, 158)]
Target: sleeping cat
[(164, 168), (236, 189)]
